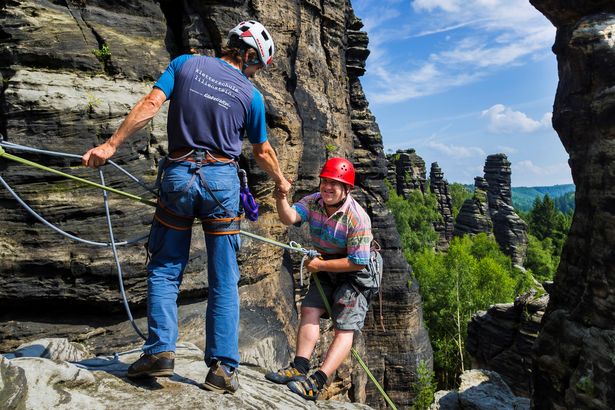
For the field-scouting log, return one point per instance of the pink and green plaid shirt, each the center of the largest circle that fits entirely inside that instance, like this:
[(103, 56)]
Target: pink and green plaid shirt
[(347, 232)]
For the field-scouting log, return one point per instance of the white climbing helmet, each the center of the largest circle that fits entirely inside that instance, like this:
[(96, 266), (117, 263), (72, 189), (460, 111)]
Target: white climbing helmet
[(254, 34)]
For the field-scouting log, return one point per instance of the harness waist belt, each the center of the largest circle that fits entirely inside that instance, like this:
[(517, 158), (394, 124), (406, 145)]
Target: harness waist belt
[(186, 154), (214, 226)]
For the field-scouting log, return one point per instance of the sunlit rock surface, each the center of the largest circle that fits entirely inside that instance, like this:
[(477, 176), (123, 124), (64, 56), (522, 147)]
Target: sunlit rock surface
[(71, 70)]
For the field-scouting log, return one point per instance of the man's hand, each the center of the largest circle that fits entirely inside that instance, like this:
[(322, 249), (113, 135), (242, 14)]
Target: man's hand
[(314, 265), (283, 187), (98, 156), (281, 191)]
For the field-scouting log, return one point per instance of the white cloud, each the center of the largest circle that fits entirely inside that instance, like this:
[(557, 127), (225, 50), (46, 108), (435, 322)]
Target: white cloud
[(503, 120), (527, 173), (379, 16), (483, 36), (450, 6), (425, 80), (456, 151), (507, 150)]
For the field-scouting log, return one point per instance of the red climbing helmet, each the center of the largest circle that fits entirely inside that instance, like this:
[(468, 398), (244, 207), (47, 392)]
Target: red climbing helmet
[(338, 169)]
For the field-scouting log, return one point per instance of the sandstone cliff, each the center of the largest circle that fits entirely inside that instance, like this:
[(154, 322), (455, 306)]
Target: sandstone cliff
[(72, 69), (439, 187), (501, 339), (490, 210), (573, 365)]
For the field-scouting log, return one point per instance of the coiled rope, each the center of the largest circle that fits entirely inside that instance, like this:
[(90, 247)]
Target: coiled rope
[(292, 246)]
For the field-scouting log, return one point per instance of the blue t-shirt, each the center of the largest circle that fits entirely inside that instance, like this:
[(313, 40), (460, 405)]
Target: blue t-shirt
[(212, 105)]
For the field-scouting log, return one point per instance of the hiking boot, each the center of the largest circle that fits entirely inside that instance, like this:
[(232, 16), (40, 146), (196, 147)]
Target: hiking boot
[(221, 379), (285, 375), (153, 365), (306, 388)]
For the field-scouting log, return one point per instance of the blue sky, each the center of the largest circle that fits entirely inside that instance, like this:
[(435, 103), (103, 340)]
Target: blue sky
[(458, 80)]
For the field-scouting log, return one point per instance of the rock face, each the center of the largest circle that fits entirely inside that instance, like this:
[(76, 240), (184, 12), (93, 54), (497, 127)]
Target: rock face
[(501, 340), (574, 365), (439, 187), (474, 216), (497, 175), (71, 70), (479, 390), (410, 172), (32, 381), (509, 229)]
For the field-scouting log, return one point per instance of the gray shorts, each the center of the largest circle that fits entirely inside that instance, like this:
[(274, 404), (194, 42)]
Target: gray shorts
[(348, 305)]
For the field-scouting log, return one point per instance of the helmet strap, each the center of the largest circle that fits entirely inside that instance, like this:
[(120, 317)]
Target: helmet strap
[(246, 63)]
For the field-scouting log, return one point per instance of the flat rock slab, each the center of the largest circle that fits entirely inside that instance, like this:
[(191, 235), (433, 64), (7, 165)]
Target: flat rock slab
[(101, 383)]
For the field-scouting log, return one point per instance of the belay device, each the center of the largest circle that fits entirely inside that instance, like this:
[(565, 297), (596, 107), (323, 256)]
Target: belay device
[(250, 207)]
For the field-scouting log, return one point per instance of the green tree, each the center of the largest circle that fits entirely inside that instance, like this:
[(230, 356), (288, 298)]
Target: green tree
[(545, 221), (424, 389), (542, 258), (471, 276), (459, 193), (414, 218)]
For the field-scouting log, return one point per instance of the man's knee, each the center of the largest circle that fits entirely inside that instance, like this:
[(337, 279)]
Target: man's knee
[(311, 314), (344, 333)]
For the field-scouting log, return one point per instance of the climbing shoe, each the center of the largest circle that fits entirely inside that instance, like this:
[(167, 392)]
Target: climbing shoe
[(221, 379), (283, 376), (306, 388), (153, 365)]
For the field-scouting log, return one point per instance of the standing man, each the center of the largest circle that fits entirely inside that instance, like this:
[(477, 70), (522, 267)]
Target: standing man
[(212, 104), (340, 230)]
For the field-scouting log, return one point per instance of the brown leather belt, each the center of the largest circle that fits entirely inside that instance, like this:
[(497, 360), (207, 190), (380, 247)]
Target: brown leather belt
[(178, 155)]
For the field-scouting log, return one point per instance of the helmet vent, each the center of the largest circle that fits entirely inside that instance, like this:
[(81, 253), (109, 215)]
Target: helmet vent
[(264, 34), (244, 28)]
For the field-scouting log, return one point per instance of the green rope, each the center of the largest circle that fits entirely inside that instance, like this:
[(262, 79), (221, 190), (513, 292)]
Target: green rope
[(297, 247), (352, 349), (23, 161)]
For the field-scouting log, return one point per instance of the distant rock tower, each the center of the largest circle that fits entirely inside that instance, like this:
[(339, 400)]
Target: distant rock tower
[(474, 216), (497, 174), (495, 192), (410, 172), (439, 187)]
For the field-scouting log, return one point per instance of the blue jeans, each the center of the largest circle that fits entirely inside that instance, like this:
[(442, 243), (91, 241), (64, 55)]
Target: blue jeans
[(169, 248)]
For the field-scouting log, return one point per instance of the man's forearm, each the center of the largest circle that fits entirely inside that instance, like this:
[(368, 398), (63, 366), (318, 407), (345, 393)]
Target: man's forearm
[(335, 265), (136, 119), (265, 157), (287, 214), (141, 114)]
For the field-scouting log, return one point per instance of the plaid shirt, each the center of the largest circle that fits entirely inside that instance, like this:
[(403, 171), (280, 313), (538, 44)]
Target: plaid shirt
[(347, 232)]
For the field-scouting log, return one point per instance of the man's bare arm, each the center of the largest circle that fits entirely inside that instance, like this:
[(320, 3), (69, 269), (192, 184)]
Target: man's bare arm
[(265, 157), (137, 118)]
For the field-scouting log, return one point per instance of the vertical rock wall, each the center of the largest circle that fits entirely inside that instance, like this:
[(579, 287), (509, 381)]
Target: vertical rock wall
[(410, 172), (574, 362), (474, 216), (509, 229), (63, 90), (439, 187), (494, 192)]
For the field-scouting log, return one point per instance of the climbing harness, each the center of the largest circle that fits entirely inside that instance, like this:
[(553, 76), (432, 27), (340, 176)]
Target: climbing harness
[(227, 225), (292, 246)]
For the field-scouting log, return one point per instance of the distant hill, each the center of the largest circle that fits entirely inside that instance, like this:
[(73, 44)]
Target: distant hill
[(523, 197)]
